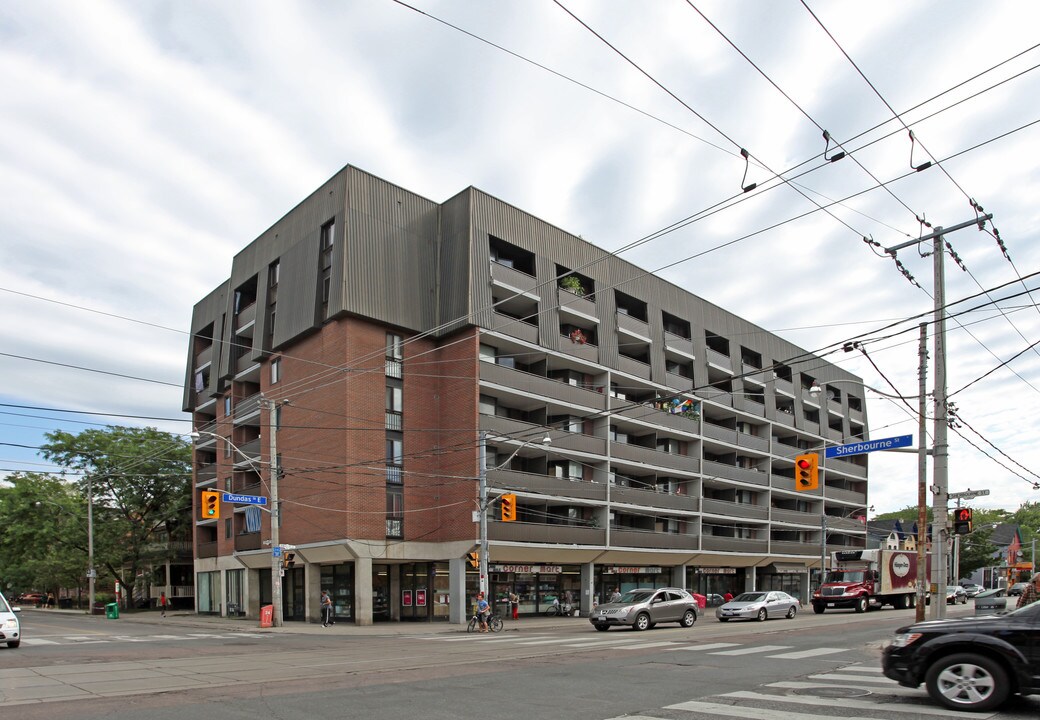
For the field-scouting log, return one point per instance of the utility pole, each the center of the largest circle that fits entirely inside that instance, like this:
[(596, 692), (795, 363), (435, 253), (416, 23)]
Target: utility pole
[(922, 474), (483, 515), (940, 450), (276, 512), (823, 548)]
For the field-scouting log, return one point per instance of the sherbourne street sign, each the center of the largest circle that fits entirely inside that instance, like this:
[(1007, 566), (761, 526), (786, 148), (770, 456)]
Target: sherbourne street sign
[(869, 446)]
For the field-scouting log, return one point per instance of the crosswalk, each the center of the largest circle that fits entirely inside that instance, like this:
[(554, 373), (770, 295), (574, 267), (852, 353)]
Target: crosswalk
[(851, 692), (107, 639), (631, 641)]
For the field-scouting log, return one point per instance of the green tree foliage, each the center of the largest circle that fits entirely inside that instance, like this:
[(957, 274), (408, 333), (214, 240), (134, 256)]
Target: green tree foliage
[(43, 533), (140, 479)]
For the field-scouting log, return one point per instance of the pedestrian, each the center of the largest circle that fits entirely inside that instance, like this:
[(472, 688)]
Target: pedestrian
[(616, 595), (483, 610), (514, 604), (162, 604), (727, 597), (50, 600), (326, 609), (1031, 593)]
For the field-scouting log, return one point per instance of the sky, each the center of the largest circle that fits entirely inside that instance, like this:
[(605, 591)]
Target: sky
[(144, 143)]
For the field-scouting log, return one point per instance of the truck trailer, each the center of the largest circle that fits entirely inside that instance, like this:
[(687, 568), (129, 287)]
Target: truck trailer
[(860, 579)]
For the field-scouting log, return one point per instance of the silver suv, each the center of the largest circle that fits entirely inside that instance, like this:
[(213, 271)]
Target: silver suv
[(643, 608)]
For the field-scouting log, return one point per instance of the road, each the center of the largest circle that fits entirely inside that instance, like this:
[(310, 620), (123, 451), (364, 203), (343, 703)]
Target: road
[(810, 667)]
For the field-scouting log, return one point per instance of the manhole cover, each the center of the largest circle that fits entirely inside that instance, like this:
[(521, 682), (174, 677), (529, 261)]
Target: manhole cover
[(832, 692)]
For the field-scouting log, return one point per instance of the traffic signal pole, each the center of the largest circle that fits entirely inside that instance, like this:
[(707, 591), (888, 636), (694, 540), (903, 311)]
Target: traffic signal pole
[(276, 513), (483, 514)]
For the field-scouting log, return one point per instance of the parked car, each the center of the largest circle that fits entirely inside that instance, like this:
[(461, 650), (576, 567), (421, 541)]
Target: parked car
[(955, 595), (10, 630), (31, 598), (971, 589), (971, 664), (758, 606), (1017, 589), (643, 608)]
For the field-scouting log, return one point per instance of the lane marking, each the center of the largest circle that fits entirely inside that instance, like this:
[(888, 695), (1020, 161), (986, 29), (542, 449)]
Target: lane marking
[(801, 654), (752, 650)]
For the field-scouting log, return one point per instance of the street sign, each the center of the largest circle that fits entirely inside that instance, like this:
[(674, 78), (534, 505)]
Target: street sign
[(968, 494), (276, 551), (869, 446), (244, 499)]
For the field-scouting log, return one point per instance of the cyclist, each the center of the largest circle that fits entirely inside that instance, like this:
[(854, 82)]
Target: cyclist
[(483, 611)]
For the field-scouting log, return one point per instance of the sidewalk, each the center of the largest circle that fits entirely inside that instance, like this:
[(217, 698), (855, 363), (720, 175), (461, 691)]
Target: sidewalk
[(215, 623)]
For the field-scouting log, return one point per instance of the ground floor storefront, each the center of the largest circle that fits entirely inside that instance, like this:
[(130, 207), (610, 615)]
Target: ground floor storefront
[(366, 591)]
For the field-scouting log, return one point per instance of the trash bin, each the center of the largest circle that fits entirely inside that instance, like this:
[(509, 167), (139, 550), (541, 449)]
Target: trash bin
[(990, 603), (112, 611)]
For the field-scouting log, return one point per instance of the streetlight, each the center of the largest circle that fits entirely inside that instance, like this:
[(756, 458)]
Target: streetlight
[(276, 567), (482, 583)]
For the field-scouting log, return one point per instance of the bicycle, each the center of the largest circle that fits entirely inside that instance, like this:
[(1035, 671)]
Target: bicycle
[(564, 609), (494, 623)]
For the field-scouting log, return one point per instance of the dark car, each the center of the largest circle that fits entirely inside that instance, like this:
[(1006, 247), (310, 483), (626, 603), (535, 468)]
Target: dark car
[(969, 664), (1017, 589)]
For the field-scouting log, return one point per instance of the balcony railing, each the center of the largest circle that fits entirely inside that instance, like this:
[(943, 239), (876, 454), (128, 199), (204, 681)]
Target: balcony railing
[(650, 497), (795, 516), (732, 544), (734, 509), (732, 472), (634, 326), (248, 541), (719, 360), (788, 547), (516, 328), (649, 539), (206, 549), (549, 534), (678, 344), (547, 485)]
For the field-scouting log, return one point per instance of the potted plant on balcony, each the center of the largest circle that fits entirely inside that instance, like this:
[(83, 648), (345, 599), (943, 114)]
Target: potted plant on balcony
[(572, 284)]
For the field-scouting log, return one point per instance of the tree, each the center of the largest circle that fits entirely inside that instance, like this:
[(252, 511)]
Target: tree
[(140, 479)]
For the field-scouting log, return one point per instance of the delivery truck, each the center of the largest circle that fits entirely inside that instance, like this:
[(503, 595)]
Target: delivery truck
[(860, 579)]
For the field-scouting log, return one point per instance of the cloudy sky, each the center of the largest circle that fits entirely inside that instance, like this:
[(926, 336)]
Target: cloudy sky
[(142, 144)]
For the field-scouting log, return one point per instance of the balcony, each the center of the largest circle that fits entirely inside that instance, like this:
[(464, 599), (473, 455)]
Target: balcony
[(681, 345), (732, 472), (656, 458), (643, 497), (846, 467), (795, 517), (788, 547), (782, 482), (247, 408), (546, 485), (723, 362), (248, 541), (634, 327), (513, 279), (204, 358), (734, 509), (206, 549), (846, 524), (677, 382), (245, 320), (515, 328), (547, 534), (576, 305), (525, 382), (649, 540), (753, 442), (633, 367), (731, 544), (498, 425), (834, 493), (582, 350), (206, 473), (722, 397), (785, 418), (748, 405), (717, 432)]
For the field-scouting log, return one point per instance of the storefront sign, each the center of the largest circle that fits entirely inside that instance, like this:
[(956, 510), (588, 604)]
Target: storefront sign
[(624, 570), (420, 598), (406, 598), (527, 568), (715, 571)]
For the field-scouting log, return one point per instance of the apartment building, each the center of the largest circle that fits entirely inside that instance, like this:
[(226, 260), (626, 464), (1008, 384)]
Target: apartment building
[(383, 353)]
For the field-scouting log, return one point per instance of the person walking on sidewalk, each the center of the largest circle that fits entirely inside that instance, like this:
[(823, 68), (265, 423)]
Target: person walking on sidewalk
[(326, 609), (162, 604), (1032, 592), (514, 604)]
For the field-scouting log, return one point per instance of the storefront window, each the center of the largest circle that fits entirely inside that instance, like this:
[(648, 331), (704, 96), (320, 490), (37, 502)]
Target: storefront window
[(338, 581)]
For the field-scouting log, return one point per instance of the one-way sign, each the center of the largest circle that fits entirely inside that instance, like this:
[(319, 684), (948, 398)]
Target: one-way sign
[(244, 499)]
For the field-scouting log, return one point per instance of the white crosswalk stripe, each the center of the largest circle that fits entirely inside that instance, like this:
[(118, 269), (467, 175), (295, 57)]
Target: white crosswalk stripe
[(803, 654), (107, 639), (751, 650)]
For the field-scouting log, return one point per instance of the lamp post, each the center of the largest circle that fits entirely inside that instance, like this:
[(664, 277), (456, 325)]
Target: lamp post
[(276, 579), (91, 572)]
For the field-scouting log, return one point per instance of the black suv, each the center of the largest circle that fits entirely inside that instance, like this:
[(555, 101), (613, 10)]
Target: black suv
[(969, 663)]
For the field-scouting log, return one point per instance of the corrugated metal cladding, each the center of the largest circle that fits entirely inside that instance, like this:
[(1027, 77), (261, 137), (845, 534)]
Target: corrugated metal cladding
[(454, 300), (297, 291), (390, 263), (208, 310)]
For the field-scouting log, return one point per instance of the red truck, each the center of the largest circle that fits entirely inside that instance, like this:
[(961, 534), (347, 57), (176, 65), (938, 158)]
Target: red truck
[(861, 578)]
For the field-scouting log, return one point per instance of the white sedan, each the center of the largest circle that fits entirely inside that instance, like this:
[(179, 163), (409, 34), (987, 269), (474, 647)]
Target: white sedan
[(758, 606)]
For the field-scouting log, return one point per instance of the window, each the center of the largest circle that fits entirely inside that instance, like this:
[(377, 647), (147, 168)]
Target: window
[(487, 353), (227, 447), (394, 395), (273, 273), (276, 370), (566, 469), (488, 405), (668, 445), (394, 449), (328, 231), (227, 406), (395, 347), (617, 436)]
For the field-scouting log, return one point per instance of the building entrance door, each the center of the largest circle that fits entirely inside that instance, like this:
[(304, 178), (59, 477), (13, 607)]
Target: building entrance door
[(416, 596)]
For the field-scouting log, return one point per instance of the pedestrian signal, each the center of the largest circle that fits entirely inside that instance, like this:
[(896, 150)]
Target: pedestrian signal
[(807, 472), (474, 559), (210, 505), (508, 507), (288, 560), (962, 521)]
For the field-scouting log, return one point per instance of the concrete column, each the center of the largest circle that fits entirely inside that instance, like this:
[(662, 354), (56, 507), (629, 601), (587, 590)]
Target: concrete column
[(679, 576), (803, 587), (394, 573), (312, 592), (458, 612), (363, 591), (588, 588), (750, 579), (252, 593)]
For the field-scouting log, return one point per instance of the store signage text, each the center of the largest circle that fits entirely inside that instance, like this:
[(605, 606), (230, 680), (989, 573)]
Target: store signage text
[(527, 568)]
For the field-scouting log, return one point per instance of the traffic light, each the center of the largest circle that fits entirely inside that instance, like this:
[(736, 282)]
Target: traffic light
[(288, 560), (962, 521), (210, 505), (508, 507), (474, 559), (807, 472)]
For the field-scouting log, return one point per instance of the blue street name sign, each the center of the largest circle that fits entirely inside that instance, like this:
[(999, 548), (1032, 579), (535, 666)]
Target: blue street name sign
[(869, 446), (276, 551), (245, 499)]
